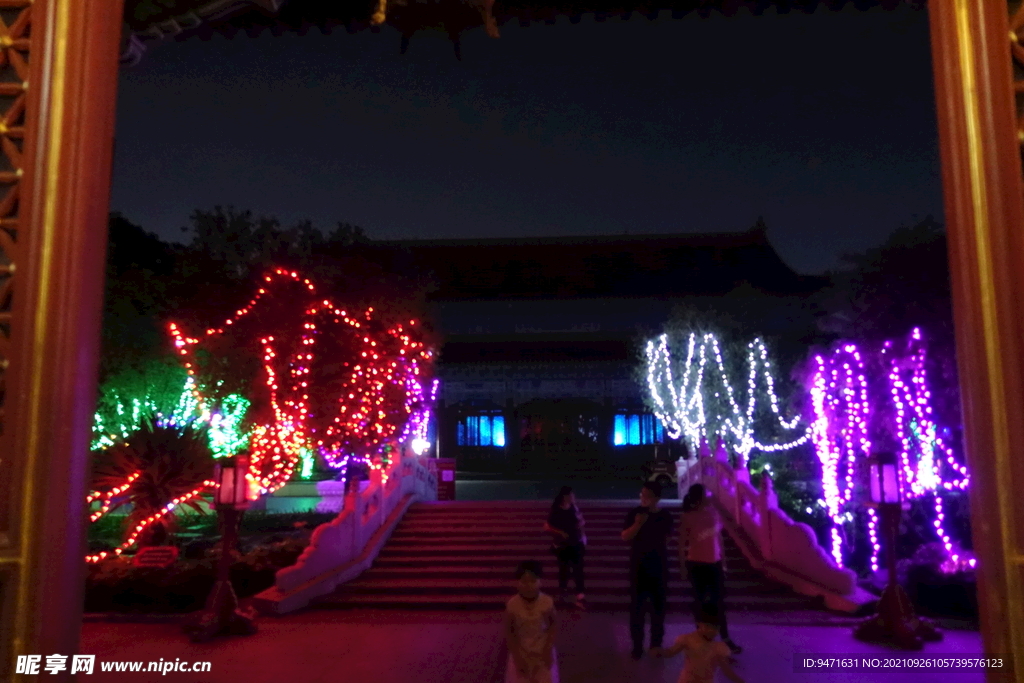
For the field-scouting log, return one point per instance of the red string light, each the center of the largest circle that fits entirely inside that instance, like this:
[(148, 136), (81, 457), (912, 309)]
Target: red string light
[(107, 497), (373, 402), (149, 521)]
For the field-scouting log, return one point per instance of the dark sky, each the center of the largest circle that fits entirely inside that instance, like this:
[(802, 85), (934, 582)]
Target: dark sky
[(823, 123)]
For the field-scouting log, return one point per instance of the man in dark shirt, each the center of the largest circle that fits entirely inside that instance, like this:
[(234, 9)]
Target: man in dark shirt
[(647, 530)]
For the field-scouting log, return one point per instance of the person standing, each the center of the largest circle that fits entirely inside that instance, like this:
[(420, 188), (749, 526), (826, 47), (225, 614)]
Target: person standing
[(565, 523), (530, 627), (700, 551), (647, 529)]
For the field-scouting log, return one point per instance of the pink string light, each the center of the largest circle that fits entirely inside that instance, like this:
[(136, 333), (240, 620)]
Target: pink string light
[(844, 414), (921, 449), (839, 431)]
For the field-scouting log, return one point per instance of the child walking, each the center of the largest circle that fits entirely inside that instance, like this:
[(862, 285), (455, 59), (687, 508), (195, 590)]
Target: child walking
[(704, 654), (530, 630)]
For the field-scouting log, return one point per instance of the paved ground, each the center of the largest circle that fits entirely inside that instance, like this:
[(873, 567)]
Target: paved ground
[(399, 647)]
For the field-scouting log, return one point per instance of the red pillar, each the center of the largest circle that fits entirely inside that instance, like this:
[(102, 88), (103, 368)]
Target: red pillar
[(983, 189), (53, 219)]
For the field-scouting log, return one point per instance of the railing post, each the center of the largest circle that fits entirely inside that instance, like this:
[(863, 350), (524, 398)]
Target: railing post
[(767, 502)]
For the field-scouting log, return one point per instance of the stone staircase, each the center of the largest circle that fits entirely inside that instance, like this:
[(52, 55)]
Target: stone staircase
[(462, 555)]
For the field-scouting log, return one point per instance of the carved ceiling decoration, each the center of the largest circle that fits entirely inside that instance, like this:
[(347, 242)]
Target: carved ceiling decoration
[(15, 23), (148, 21)]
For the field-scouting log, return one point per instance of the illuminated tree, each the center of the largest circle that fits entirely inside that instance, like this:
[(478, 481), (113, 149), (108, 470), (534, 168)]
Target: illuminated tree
[(342, 384), (698, 399), (867, 398)]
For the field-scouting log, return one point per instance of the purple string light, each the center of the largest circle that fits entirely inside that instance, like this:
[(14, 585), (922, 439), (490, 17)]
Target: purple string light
[(840, 432)]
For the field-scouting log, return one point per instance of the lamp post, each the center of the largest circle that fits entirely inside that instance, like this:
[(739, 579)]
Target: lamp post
[(233, 495), (894, 621)]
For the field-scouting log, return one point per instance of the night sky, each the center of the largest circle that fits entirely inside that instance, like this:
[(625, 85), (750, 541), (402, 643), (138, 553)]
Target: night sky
[(824, 124)]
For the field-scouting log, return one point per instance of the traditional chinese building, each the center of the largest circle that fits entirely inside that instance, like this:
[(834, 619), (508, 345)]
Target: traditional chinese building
[(543, 338), (57, 136)]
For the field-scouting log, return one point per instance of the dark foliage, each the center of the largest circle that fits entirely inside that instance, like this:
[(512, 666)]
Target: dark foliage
[(116, 585), (173, 462)]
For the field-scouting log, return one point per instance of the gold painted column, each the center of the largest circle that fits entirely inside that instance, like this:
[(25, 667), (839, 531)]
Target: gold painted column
[(982, 184), (57, 103)]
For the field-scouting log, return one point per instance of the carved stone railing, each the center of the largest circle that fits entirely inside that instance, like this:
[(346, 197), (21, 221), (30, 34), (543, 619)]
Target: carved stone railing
[(774, 544), (345, 547)]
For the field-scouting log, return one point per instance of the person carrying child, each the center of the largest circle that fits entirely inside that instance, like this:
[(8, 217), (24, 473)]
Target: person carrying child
[(647, 529), (530, 630), (704, 654)]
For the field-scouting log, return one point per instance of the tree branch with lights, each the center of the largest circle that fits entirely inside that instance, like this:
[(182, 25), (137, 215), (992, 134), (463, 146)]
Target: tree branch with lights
[(698, 400)]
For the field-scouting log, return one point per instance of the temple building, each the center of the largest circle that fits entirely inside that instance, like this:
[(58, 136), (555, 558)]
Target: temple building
[(540, 366)]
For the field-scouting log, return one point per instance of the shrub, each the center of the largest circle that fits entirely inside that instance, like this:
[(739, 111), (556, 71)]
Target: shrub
[(117, 585), (173, 461)]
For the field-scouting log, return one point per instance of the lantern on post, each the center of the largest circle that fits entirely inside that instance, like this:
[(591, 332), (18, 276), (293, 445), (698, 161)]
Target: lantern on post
[(895, 621), (235, 491), (235, 488)]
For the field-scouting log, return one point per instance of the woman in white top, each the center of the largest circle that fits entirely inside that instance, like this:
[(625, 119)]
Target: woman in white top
[(700, 548)]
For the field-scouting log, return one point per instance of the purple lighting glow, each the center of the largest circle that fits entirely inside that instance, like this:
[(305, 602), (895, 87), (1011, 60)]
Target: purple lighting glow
[(845, 417)]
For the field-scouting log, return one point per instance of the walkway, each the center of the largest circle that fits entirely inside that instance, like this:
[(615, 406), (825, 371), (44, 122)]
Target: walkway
[(321, 646)]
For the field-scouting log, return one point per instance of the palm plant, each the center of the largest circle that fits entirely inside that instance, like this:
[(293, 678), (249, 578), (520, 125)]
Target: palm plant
[(172, 461)]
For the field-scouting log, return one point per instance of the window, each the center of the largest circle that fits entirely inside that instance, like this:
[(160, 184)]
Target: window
[(637, 430), (482, 430)]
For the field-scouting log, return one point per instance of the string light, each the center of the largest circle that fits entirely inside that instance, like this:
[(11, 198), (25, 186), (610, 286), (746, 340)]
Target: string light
[(149, 521), (843, 415), (106, 498), (839, 430), (683, 407), (381, 395), (917, 433)]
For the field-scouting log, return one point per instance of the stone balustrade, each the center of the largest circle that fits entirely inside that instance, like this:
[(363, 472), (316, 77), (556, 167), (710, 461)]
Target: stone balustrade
[(343, 548), (775, 545)]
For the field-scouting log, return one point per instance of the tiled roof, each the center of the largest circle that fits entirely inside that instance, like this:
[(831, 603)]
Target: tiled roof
[(595, 267)]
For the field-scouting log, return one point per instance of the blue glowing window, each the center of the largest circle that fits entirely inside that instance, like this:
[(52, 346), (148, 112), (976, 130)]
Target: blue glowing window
[(620, 430), (481, 430), (498, 430), (637, 430)]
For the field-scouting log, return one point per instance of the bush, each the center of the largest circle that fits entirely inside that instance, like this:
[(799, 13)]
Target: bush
[(116, 585), (197, 530), (936, 585)]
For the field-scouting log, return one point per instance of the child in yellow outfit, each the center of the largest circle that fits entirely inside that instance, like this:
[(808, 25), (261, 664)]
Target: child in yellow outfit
[(704, 654), (530, 630)]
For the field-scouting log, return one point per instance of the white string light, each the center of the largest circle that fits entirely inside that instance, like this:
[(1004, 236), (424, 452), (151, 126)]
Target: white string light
[(683, 406)]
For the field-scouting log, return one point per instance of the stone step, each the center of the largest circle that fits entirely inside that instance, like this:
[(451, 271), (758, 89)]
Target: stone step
[(374, 582), (488, 534), (397, 580), (531, 523), (461, 555), (457, 546), (610, 603), (617, 515), (506, 563)]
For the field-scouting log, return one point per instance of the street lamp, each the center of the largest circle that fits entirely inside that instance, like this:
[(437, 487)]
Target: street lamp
[(231, 498), (894, 620)]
